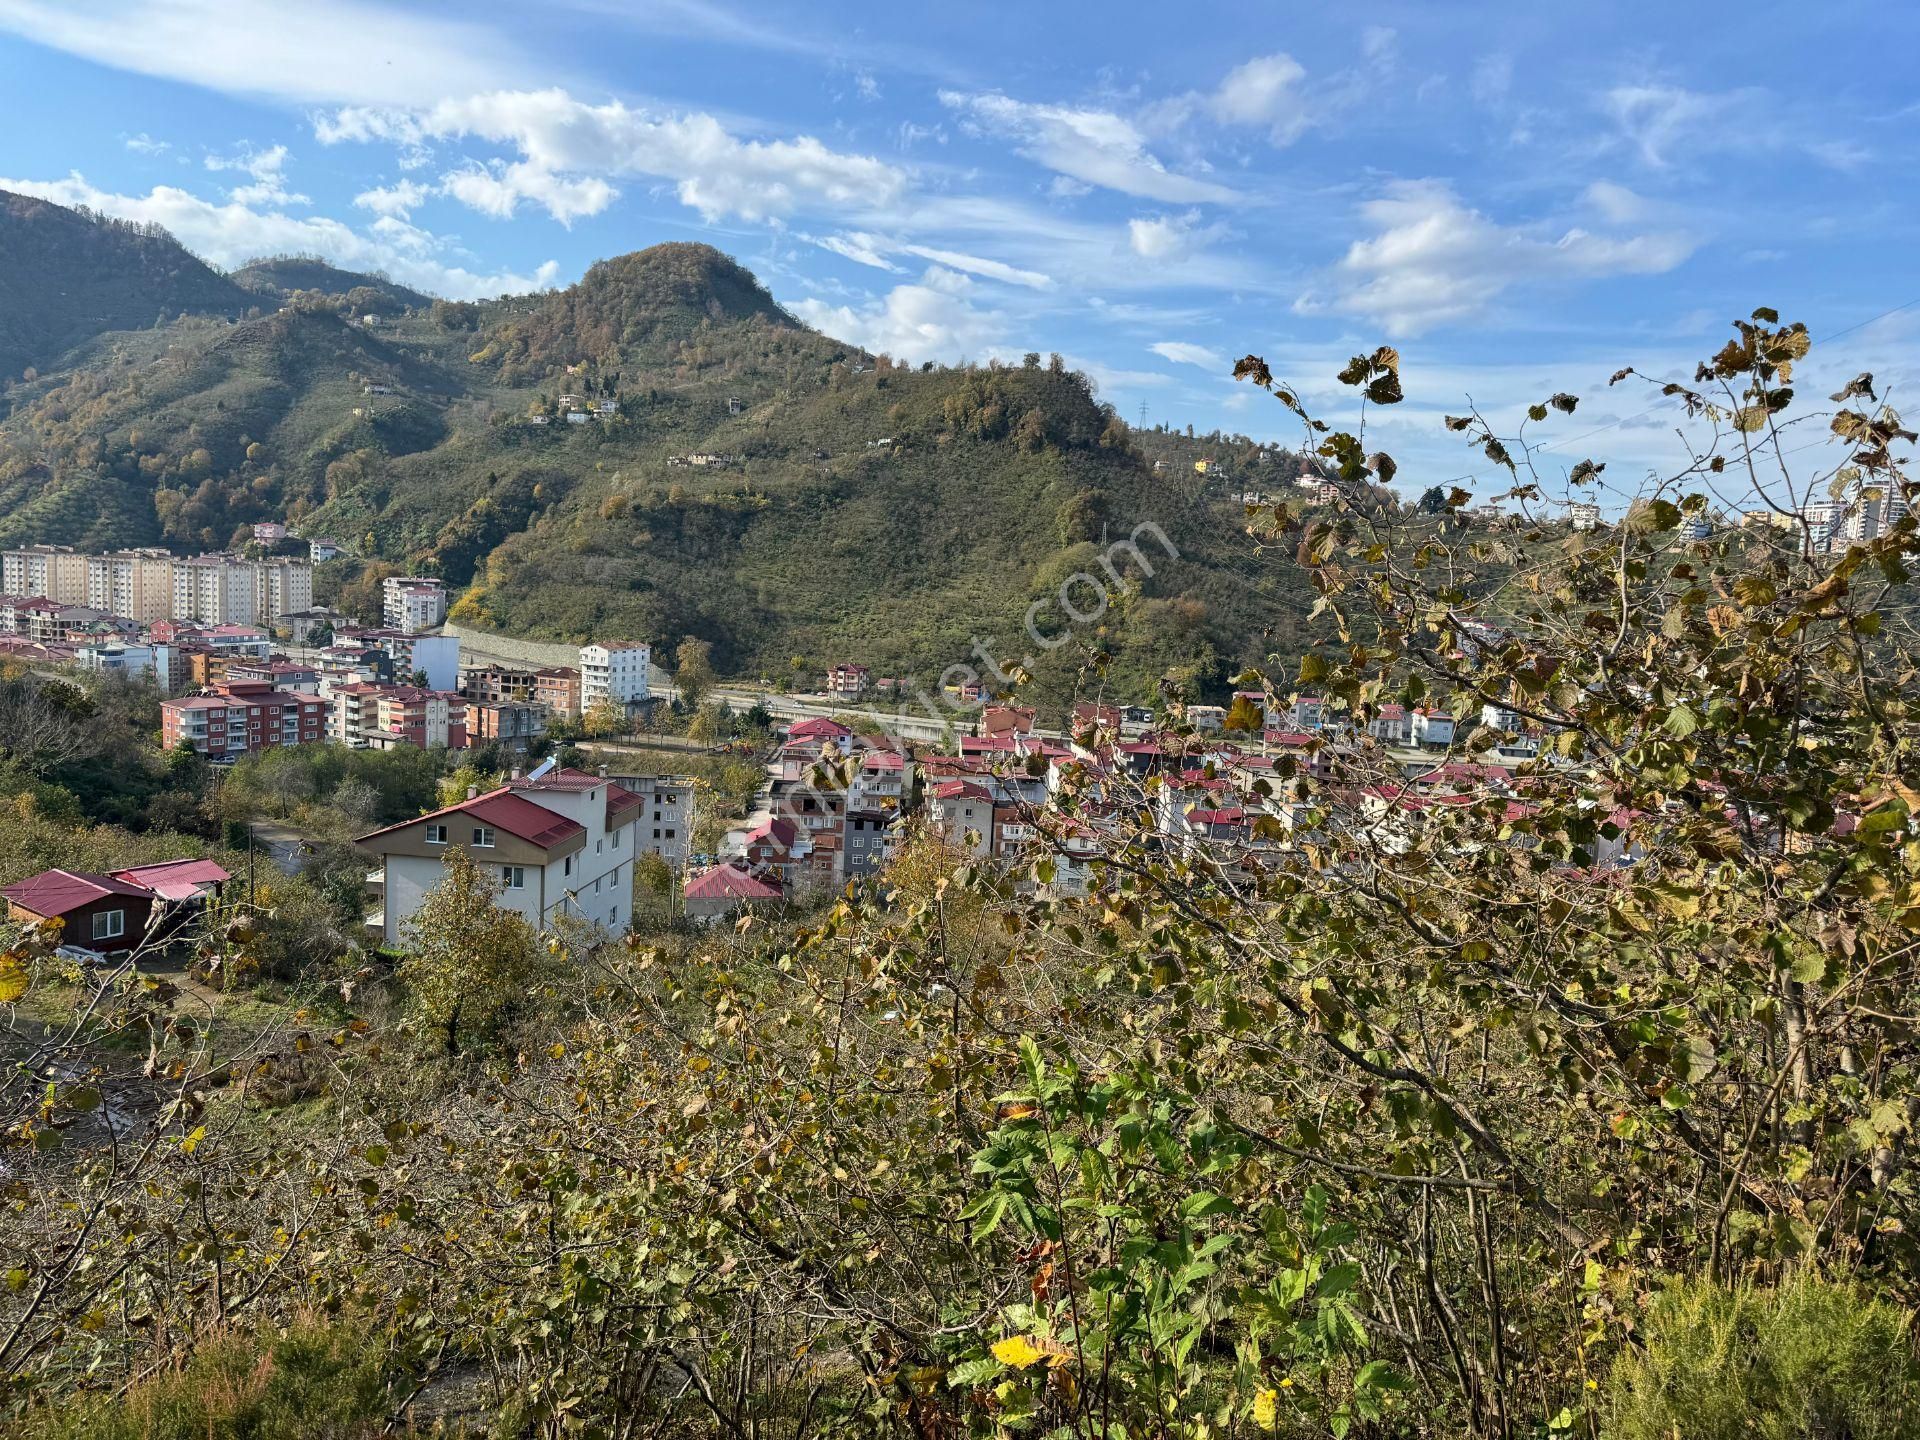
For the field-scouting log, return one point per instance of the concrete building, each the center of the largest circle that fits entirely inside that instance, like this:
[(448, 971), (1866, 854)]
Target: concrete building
[(665, 823), (116, 658), (49, 572), (392, 717), (513, 723), (240, 718), (410, 603), (617, 673), (134, 583), (554, 844)]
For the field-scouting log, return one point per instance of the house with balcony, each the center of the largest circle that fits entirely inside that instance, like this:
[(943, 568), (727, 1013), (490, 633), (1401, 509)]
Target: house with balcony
[(551, 844)]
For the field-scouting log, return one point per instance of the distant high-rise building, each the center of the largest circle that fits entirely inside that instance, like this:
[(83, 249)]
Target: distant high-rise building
[(413, 602)]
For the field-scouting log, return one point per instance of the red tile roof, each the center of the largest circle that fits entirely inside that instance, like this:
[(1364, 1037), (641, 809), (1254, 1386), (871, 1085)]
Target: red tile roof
[(960, 789), (60, 892), (819, 727), (175, 879), (503, 810), (776, 828), (729, 882)]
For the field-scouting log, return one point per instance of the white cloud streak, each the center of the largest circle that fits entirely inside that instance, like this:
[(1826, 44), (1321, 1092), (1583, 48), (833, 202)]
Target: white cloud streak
[(232, 233)]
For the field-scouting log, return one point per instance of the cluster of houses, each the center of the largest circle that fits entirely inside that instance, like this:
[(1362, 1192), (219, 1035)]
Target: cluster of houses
[(837, 804), (702, 459), (384, 689), (576, 410)]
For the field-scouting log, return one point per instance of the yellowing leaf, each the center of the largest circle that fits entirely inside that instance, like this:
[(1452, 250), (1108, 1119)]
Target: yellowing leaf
[(1266, 1409), (1017, 1351)]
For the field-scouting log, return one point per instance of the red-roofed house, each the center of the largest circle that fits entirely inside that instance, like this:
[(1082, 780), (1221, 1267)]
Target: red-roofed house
[(177, 880), (560, 843), (1006, 720), (100, 913), (725, 889), (1390, 725), (820, 728)]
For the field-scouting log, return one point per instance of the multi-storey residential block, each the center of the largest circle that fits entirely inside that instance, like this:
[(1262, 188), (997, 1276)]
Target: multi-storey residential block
[(551, 845), (614, 673), (411, 603), (392, 717), (558, 688), (50, 572), (235, 719), (134, 583), (665, 824), (513, 723)]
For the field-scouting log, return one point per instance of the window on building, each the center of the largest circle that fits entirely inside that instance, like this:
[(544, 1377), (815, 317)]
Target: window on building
[(614, 840), (613, 915), (598, 846), (436, 834), (513, 877), (568, 870), (483, 836), (656, 831), (109, 924), (669, 834)]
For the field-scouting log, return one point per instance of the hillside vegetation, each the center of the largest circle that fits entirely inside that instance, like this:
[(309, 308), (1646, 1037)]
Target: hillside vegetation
[(858, 509), (66, 276)]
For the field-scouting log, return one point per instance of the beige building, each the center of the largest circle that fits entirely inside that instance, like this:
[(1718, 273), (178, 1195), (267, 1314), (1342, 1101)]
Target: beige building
[(55, 572), (135, 583)]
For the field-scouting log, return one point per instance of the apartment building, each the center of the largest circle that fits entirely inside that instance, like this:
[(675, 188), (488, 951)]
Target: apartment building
[(552, 844), (410, 603), (558, 688), (664, 826), (391, 717), (134, 583), (514, 723), (239, 718), (615, 673), (49, 572)]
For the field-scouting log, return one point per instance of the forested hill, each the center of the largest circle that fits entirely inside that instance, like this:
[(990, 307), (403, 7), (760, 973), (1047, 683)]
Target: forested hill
[(750, 482), (67, 276)]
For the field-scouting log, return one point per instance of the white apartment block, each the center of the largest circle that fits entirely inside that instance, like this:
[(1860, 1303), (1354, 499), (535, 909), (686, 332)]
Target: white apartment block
[(215, 590), (413, 602), (613, 672), (551, 845)]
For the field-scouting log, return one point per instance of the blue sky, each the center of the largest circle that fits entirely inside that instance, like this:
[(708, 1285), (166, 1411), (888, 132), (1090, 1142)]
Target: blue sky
[(1521, 197)]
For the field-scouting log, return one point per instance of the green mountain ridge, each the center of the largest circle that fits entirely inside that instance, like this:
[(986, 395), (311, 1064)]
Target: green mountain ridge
[(859, 510)]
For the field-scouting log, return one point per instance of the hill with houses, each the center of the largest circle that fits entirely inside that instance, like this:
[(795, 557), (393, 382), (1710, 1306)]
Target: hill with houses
[(658, 450)]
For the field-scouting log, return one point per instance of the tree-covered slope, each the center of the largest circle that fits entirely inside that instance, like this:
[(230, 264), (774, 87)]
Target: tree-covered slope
[(67, 276), (854, 509)]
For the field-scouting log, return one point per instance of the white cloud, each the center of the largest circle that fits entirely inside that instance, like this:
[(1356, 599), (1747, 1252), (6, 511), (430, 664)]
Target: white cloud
[(398, 201), (145, 144), (976, 265), (860, 248), (267, 167), (1164, 237), (866, 86), (1264, 91), (1183, 353), (319, 51), (1656, 117), (931, 320), (1434, 261), (1616, 203), (1096, 147), (567, 146), (232, 233)]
